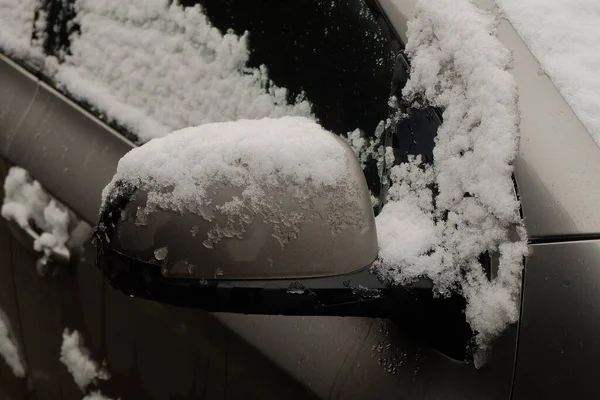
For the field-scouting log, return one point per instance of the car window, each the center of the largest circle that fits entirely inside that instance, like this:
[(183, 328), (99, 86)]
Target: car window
[(333, 52), (334, 57)]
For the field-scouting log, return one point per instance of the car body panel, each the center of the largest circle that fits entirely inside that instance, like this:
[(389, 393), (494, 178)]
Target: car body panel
[(11, 386), (356, 358), (19, 89), (560, 323), (69, 150)]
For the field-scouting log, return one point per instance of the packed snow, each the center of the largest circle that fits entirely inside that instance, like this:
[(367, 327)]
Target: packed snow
[(154, 68), (256, 156), (76, 358), (25, 200), (440, 218), (563, 36), (8, 348)]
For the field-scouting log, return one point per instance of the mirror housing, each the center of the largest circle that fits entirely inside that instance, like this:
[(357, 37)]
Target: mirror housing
[(285, 219), (240, 216)]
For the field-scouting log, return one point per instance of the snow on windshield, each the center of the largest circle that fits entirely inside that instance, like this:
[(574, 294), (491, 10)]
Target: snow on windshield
[(155, 68), (563, 36), (440, 218), (151, 66), (8, 349), (16, 28)]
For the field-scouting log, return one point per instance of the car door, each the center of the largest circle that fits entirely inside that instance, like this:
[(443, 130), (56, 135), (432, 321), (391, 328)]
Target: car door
[(12, 386), (343, 58)]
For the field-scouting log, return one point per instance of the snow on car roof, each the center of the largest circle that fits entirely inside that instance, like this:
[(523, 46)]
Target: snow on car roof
[(563, 36)]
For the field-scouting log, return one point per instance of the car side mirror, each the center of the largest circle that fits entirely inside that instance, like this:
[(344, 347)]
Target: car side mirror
[(269, 216), (247, 216)]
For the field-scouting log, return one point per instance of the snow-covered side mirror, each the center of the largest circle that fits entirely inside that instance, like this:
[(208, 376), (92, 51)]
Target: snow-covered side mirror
[(277, 204), (268, 216), (267, 199)]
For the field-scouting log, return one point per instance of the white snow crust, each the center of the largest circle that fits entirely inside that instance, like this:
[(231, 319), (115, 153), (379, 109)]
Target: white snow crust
[(16, 28), (151, 67), (238, 153), (458, 65), (563, 36)]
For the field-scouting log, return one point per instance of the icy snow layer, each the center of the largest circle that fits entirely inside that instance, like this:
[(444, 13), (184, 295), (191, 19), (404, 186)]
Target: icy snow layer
[(257, 157), (25, 200), (76, 358), (563, 35), (16, 28), (459, 66), (155, 68), (8, 349)]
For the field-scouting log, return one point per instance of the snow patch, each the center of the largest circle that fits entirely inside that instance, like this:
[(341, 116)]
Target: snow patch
[(440, 218), (154, 68), (77, 359), (8, 349), (25, 200), (563, 36), (16, 29)]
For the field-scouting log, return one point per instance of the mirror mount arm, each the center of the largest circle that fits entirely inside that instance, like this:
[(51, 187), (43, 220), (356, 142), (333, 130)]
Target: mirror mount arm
[(439, 321)]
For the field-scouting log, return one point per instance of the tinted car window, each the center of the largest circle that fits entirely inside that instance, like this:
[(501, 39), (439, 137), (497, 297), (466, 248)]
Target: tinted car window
[(334, 52)]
